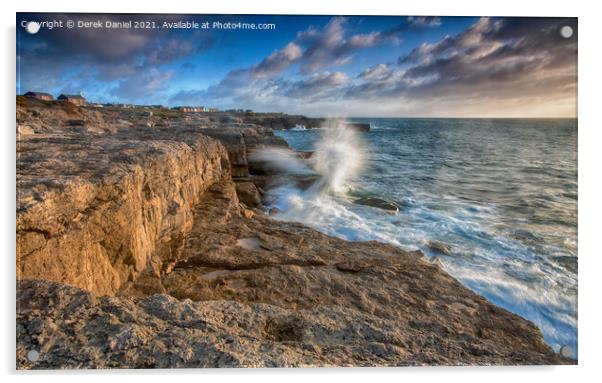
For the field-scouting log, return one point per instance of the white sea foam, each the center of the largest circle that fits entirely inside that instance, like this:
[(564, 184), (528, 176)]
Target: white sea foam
[(298, 128), (508, 271), (337, 160), (281, 160), (338, 157)]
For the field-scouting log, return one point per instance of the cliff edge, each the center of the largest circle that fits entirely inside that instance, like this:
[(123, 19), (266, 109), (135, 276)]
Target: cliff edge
[(141, 243)]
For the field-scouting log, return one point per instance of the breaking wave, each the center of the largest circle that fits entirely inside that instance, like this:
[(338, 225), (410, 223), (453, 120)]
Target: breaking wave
[(470, 184)]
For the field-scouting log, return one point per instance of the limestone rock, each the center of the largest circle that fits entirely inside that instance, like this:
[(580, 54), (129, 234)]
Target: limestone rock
[(248, 194), (93, 210), (133, 251), (24, 130)]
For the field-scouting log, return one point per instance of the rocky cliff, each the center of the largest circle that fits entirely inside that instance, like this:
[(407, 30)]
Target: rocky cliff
[(94, 210), (141, 244)]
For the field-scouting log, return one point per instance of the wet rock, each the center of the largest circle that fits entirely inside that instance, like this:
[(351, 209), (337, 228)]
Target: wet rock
[(76, 122), (378, 203), (273, 211), (439, 247), (437, 261), (304, 182), (304, 154)]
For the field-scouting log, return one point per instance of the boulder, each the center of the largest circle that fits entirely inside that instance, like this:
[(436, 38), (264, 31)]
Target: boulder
[(304, 154), (248, 194), (378, 203), (439, 247)]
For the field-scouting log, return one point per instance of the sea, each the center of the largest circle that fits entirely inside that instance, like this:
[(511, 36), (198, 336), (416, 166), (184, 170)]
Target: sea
[(500, 193)]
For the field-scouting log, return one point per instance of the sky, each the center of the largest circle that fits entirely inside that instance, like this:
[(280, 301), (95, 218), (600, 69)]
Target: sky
[(328, 66)]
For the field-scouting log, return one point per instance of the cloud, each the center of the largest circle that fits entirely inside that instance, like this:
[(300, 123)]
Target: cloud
[(169, 49), (494, 51), (319, 84), (377, 72), (83, 58), (313, 49), (330, 47), (411, 24), (277, 61), (144, 86), (423, 21), (494, 66), (508, 60)]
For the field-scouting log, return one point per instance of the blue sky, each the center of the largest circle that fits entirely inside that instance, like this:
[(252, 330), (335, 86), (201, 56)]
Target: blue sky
[(315, 65)]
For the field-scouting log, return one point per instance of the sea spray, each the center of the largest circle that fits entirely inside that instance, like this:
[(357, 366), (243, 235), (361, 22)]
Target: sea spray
[(337, 160), (281, 160), (471, 184), (338, 157)]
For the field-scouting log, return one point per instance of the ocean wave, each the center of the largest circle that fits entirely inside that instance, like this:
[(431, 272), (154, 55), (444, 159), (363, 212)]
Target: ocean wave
[(519, 260)]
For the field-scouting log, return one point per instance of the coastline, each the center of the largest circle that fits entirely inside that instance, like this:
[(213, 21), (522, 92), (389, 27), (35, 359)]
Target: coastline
[(147, 229)]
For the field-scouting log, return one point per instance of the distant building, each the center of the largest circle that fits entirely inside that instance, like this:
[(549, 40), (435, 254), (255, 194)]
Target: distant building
[(75, 99), (191, 109), (39, 95)]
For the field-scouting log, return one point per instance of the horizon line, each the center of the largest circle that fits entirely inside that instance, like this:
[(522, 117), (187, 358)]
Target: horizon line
[(116, 104)]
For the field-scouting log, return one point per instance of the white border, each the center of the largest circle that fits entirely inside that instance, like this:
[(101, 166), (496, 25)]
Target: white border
[(589, 184)]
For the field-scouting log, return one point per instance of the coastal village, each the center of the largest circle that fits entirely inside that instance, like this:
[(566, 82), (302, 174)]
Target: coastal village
[(80, 100)]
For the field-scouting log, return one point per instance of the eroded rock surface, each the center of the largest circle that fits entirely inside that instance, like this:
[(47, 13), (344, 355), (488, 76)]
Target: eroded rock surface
[(135, 250), (94, 209)]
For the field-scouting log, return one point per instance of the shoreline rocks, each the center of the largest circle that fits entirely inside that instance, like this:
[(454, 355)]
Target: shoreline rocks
[(139, 247)]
